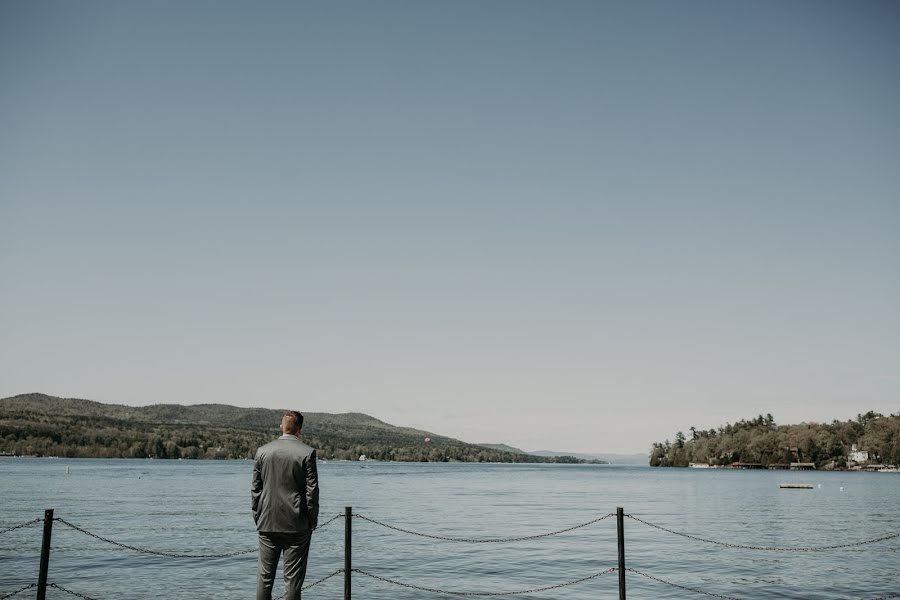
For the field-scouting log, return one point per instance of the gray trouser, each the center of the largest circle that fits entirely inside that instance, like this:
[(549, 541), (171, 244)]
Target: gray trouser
[(296, 550)]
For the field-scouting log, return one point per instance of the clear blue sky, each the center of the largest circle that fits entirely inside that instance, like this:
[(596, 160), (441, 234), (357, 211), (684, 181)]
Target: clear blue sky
[(567, 225)]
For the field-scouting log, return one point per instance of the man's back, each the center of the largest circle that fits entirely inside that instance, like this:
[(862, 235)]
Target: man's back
[(285, 490), (285, 501)]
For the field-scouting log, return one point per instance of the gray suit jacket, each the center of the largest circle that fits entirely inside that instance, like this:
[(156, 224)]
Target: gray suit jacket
[(285, 489)]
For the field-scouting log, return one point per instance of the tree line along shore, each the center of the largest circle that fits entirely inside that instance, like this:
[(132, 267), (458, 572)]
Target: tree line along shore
[(42, 425), (869, 439)]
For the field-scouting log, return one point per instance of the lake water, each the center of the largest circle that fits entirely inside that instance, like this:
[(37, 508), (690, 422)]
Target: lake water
[(203, 507)]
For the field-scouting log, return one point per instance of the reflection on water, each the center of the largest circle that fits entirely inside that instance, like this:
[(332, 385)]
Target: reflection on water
[(204, 508)]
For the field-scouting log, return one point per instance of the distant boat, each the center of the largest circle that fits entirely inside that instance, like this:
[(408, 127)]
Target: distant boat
[(362, 458), (698, 465)]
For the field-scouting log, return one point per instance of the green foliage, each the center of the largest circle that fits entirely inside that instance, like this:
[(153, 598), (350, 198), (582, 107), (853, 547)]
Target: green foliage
[(40, 425), (760, 440), (503, 448)]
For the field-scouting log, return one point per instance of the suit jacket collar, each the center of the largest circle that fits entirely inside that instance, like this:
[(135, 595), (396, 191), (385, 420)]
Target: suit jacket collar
[(288, 436)]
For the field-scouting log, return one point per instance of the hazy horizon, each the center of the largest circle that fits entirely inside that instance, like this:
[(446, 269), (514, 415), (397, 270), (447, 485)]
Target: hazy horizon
[(578, 225)]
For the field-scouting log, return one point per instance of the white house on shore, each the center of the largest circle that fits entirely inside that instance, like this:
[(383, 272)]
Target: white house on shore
[(858, 456)]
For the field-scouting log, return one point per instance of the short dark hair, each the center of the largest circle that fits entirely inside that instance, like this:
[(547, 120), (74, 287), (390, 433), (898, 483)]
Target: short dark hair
[(297, 418)]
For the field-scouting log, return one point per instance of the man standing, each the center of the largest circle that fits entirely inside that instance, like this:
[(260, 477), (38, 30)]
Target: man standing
[(285, 501)]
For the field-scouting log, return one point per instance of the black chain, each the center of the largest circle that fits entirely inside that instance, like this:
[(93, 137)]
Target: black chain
[(70, 592), (85, 597), (469, 540), (170, 554), (890, 536), (722, 596), (145, 550), (483, 540), (458, 593), (682, 587), (19, 591), (21, 525), (153, 552), (323, 580), (313, 584), (330, 521)]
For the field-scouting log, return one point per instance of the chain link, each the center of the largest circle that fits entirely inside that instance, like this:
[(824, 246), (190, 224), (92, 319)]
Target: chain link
[(484, 540), (169, 554), (21, 525), (70, 592), (458, 593), (313, 584), (722, 596), (323, 580), (766, 548), (18, 591), (469, 540), (153, 552), (682, 587), (59, 587), (330, 521)]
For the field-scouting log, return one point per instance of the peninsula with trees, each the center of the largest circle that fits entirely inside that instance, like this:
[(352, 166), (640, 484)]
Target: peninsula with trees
[(42, 425), (870, 440)]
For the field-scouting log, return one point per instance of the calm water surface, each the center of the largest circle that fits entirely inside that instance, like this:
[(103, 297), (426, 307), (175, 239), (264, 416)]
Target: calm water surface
[(203, 507)]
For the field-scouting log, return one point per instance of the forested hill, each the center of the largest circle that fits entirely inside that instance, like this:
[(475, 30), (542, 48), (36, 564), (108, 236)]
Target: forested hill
[(762, 441), (41, 425)]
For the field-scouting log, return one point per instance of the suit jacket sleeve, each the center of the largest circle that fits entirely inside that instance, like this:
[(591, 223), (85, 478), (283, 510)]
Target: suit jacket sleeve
[(256, 487), (312, 490)]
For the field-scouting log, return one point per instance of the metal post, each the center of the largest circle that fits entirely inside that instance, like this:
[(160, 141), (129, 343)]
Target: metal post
[(45, 555), (620, 534), (348, 563)]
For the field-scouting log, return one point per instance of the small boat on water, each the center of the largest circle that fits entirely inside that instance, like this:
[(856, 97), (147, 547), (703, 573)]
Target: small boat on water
[(797, 486)]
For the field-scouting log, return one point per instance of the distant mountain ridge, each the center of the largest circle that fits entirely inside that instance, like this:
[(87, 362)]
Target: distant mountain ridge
[(607, 457), (42, 425), (618, 459), (218, 415)]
